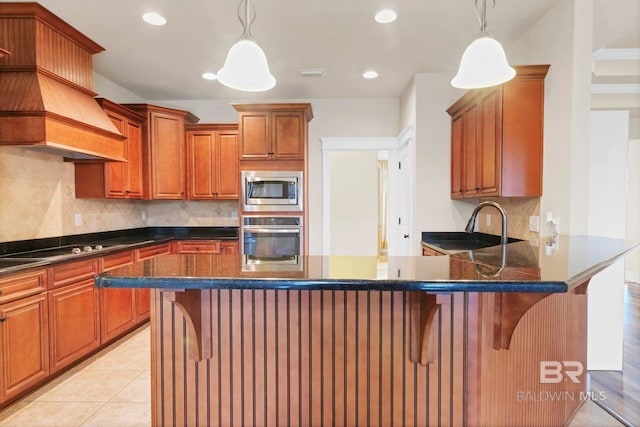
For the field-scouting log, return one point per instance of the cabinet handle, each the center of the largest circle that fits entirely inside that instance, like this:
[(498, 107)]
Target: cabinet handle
[(477, 188), (270, 153), (2, 319)]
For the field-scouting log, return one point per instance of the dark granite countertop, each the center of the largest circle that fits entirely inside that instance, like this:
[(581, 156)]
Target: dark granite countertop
[(26, 254), (516, 267)]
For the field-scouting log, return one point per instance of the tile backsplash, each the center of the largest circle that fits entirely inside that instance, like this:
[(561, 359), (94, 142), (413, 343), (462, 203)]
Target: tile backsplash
[(518, 212), (37, 200)]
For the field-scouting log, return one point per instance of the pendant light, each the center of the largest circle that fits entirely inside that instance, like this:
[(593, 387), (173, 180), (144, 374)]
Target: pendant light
[(484, 62), (246, 65)]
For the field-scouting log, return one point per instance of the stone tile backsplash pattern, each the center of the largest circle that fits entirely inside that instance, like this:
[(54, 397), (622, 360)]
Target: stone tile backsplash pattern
[(518, 212), (37, 200)]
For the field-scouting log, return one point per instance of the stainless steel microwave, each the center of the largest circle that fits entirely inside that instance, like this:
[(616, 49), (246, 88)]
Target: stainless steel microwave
[(272, 191)]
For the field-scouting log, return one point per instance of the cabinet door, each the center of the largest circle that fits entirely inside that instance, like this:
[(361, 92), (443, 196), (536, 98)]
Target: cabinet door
[(143, 304), (116, 172), (134, 156), (24, 335), (254, 136), (288, 138), (490, 144), (117, 305), (457, 139), (227, 166), (229, 248), (73, 322), (167, 157), (470, 186), (201, 168)]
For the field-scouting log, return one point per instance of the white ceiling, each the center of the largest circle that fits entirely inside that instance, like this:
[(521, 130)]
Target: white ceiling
[(161, 63)]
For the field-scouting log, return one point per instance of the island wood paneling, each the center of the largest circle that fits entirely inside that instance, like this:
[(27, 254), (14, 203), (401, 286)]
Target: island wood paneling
[(316, 358), (305, 358)]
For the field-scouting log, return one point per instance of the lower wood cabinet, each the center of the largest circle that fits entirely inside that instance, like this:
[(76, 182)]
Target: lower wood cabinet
[(73, 322), (24, 337), (228, 247), (117, 305), (143, 304)]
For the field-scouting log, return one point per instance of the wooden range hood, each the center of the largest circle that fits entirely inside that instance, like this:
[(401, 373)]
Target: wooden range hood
[(46, 96)]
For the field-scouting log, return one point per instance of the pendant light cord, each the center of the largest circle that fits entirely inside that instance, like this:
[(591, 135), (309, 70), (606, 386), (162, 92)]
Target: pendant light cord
[(482, 15), (246, 22)]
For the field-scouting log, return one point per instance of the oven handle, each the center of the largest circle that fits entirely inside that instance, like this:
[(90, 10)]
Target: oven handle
[(272, 230)]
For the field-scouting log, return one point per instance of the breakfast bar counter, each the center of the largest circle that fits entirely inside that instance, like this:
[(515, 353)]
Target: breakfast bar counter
[(445, 340)]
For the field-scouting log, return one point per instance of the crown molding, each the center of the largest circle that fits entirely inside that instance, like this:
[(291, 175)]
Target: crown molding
[(622, 54)]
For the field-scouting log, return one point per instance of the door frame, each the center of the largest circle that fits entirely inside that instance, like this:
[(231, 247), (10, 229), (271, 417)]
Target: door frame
[(390, 144)]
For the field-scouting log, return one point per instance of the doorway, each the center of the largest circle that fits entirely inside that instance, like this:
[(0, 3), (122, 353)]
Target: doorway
[(355, 221)]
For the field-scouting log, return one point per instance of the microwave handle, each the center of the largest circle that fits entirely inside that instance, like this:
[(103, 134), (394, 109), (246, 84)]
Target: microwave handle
[(272, 230)]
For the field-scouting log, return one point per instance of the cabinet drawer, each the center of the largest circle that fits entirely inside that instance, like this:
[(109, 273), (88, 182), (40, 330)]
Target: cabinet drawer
[(72, 272), (18, 286), (110, 262), (427, 251), (198, 247), (151, 251)]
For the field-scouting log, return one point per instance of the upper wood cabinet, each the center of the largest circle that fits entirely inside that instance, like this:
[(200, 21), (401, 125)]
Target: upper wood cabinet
[(496, 138), (212, 162), (115, 180), (163, 151), (273, 131)]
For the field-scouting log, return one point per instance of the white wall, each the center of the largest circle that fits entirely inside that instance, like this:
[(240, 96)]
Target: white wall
[(562, 38), (354, 203), (633, 210), (434, 210), (608, 148)]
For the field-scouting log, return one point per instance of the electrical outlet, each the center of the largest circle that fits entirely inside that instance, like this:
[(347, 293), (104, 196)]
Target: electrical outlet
[(487, 220), (234, 214), (78, 219), (143, 215), (534, 223)]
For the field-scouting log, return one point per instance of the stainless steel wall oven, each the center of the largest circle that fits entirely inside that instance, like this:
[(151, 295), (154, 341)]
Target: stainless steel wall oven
[(272, 243)]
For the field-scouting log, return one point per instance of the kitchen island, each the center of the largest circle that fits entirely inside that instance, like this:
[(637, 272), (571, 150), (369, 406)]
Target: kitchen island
[(474, 338)]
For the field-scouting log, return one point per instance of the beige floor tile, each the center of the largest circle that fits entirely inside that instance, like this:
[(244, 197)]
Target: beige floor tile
[(90, 385), (121, 415), (131, 357), (45, 414), (138, 390)]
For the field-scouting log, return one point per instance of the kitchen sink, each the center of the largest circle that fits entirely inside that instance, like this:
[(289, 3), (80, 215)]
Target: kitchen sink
[(462, 241)]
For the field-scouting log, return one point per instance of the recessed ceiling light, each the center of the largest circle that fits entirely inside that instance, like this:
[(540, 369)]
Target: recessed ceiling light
[(386, 16), (209, 76), (370, 74), (154, 19)]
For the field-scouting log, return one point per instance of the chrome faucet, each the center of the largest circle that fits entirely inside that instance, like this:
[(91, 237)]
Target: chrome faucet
[(472, 221)]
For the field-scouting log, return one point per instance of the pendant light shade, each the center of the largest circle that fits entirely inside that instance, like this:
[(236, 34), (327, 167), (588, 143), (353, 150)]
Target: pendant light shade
[(483, 62), (246, 66)]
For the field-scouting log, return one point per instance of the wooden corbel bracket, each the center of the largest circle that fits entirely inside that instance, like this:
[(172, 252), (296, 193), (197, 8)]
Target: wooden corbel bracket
[(509, 308), (423, 308), (195, 305)]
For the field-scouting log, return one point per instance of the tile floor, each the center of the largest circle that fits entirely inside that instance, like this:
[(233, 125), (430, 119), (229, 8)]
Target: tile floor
[(112, 388)]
